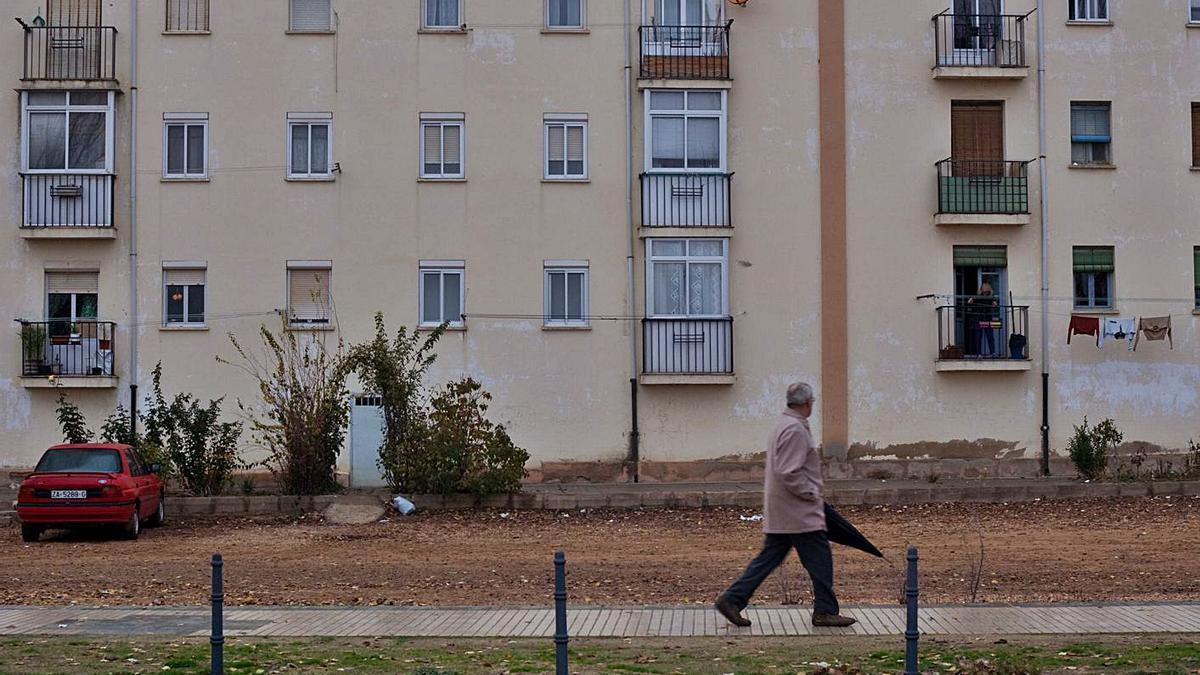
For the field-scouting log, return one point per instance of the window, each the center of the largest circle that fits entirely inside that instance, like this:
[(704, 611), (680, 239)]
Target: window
[(67, 132), (1196, 272), (1194, 12), (566, 294), (185, 145), (310, 302), (688, 13), (183, 294), (564, 14), (1091, 133), (187, 16), (310, 16), (310, 139), (687, 277), (1093, 267), (566, 146), (442, 146), (442, 289), (71, 297), (687, 130), (1196, 133), (442, 14), (1088, 10)]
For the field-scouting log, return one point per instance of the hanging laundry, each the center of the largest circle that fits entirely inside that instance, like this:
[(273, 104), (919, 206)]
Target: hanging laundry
[(1121, 329), (1154, 329), (1083, 325)]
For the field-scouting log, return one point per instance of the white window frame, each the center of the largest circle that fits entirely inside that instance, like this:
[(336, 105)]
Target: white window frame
[(582, 18), (185, 120), (441, 268), (721, 115), (309, 120), (425, 25), (199, 266), (301, 266), (565, 120), (332, 24), (1194, 11), (443, 120), (1089, 11), (688, 260), (108, 110), (566, 267)]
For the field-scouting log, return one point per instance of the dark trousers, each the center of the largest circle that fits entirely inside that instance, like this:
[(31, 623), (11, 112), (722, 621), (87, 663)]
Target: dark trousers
[(813, 548)]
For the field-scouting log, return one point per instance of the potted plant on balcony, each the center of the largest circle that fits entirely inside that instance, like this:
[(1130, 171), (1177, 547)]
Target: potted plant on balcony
[(33, 347)]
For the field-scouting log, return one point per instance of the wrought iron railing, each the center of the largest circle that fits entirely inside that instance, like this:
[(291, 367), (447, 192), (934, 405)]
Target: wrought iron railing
[(69, 348), (67, 200), (982, 186), (687, 346), (70, 52), (979, 40), (686, 200), (974, 328), (685, 52)]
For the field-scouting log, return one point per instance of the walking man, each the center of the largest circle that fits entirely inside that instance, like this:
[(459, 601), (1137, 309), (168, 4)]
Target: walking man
[(793, 516)]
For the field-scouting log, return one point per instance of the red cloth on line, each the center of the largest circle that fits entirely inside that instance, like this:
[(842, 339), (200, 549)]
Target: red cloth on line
[(1084, 325)]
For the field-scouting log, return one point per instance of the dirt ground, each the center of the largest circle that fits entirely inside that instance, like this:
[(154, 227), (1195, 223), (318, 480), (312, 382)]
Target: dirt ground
[(1128, 549)]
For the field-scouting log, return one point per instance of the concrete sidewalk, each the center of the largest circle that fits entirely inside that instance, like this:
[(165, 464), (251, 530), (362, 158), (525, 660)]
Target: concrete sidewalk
[(594, 622)]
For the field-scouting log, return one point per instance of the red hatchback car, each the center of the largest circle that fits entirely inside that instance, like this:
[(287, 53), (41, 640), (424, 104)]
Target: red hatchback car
[(78, 485)]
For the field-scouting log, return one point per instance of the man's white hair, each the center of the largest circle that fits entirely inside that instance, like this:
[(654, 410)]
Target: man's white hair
[(798, 394)]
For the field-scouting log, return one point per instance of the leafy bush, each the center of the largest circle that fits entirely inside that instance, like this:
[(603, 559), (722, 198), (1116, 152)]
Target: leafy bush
[(1090, 447), (394, 370), (200, 449), (466, 452), (71, 420), (304, 408)]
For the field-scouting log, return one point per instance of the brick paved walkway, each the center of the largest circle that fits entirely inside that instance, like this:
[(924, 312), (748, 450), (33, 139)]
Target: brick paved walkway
[(691, 621)]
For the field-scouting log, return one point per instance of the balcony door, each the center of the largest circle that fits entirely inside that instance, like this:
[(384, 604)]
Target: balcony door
[(73, 39), (977, 28), (680, 27), (78, 345), (977, 138), (980, 298)]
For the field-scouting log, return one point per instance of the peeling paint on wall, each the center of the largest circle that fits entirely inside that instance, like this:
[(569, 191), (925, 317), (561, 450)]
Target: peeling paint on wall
[(1126, 388), (493, 46), (15, 412)]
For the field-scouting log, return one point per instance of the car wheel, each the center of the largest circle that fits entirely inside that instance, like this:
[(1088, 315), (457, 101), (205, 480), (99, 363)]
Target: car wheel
[(30, 533), (133, 527), (160, 514)]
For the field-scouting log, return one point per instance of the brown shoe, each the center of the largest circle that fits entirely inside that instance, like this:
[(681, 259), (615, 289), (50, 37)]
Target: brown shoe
[(832, 620), (732, 614)]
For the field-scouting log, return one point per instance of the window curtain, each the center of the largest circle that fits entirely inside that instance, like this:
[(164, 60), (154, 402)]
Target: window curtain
[(300, 148), (452, 297), (47, 140), (319, 143), (431, 297), (195, 149), (442, 13), (87, 141), (703, 143), (667, 142), (669, 288), (566, 13), (704, 288)]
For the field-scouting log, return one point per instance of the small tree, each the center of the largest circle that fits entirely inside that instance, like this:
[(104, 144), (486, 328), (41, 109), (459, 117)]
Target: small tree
[(71, 419), (466, 452), (1089, 447), (200, 449), (304, 408), (395, 370)]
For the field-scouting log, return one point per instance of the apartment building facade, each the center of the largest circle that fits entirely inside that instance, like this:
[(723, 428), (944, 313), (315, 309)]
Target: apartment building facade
[(642, 222)]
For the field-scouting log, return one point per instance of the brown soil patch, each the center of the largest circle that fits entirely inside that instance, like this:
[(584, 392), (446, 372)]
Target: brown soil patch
[(1127, 549)]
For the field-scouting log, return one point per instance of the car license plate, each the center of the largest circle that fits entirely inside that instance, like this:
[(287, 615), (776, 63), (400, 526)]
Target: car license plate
[(68, 494)]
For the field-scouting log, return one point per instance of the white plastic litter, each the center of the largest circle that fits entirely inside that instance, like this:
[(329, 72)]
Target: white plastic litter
[(751, 519), (402, 505)]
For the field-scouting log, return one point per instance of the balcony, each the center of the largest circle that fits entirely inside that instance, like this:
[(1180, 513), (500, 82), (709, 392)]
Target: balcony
[(975, 337), (74, 54), (67, 206), (982, 192), (687, 351), (686, 200), (979, 46), (685, 52), (76, 354)]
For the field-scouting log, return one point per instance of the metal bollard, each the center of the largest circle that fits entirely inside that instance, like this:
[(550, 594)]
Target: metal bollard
[(560, 614), (911, 633), (218, 619)]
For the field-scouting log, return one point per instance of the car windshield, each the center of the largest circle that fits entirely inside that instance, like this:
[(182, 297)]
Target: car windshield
[(90, 460)]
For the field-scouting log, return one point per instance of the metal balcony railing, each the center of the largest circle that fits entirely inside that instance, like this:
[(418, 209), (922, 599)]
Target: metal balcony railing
[(979, 40), (67, 348), (973, 328), (685, 52), (686, 200), (982, 186), (70, 52), (686, 346), (67, 200)]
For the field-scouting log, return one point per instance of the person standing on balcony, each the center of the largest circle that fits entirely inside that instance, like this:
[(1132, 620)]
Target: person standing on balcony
[(984, 310), (793, 516)]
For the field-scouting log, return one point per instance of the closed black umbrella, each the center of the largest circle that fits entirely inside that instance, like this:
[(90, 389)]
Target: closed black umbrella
[(840, 531)]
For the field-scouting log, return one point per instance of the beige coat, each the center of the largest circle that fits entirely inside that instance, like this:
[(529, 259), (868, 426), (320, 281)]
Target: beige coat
[(792, 501)]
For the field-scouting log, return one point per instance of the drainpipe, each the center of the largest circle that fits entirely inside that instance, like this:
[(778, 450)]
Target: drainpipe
[(1045, 232), (634, 434), (133, 250)]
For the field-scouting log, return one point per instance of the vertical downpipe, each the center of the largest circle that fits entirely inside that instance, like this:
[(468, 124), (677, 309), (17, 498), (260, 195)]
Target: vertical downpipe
[(133, 250), (1043, 199), (634, 434)]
